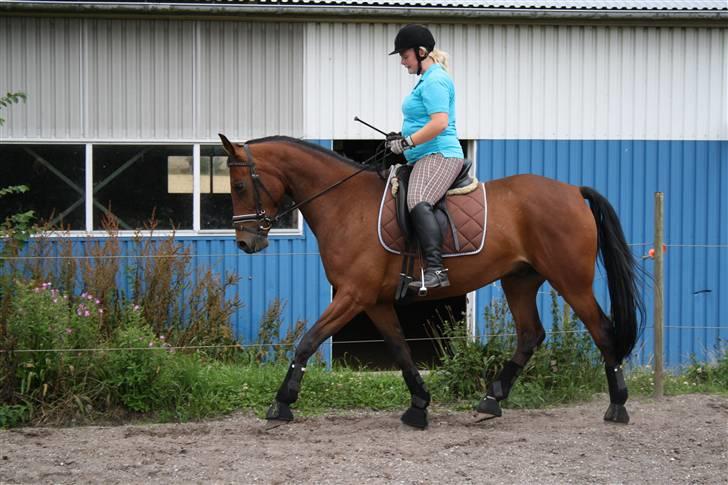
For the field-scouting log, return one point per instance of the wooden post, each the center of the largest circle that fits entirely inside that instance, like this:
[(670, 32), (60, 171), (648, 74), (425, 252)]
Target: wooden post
[(659, 293)]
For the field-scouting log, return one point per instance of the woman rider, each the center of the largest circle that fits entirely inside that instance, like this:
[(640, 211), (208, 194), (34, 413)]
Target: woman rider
[(428, 141)]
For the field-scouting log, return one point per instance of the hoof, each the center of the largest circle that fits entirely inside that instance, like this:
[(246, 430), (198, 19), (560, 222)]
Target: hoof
[(274, 423), (617, 413), (278, 413), (415, 417), (488, 405)]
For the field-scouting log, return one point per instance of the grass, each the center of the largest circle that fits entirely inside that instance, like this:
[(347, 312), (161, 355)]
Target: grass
[(193, 388)]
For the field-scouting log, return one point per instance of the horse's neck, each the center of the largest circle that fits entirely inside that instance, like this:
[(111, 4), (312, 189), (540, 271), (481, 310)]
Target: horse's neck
[(309, 174)]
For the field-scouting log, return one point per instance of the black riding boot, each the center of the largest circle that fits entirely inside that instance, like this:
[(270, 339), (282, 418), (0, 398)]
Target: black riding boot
[(430, 239)]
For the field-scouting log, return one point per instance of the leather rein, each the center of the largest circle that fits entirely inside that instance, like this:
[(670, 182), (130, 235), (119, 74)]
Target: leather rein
[(265, 222)]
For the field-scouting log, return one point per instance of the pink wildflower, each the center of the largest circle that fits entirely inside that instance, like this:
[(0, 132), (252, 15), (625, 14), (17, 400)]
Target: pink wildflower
[(69, 331), (86, 313)]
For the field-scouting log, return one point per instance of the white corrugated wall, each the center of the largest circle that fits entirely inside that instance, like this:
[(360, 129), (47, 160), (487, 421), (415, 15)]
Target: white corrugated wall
[(41, 57), (529, 81), (127, 79)]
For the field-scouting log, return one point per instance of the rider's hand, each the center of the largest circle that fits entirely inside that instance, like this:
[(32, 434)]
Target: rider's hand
[(398, 144)]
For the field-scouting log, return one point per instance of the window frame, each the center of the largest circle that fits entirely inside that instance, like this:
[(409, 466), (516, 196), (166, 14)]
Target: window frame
[(196, 230)]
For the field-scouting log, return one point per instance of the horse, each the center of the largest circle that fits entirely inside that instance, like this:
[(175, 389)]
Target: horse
[(538, 230)]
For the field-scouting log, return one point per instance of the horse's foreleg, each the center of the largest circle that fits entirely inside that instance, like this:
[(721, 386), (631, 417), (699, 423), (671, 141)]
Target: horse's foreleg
[(520, 293), (385, 319), (341, 310)]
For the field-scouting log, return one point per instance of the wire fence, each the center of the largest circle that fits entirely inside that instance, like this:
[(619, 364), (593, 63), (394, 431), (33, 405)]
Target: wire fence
[(266, 254), (481, 337), (243, 346)]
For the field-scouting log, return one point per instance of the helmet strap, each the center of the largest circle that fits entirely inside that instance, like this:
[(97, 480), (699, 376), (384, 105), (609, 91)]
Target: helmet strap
[(420, 59)]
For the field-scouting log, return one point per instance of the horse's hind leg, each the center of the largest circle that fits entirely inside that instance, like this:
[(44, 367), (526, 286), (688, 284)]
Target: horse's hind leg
[(520, 291), (599, 326), (385, 319)]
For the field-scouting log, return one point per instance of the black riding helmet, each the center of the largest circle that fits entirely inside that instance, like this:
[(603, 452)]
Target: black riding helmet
[(413, 36)]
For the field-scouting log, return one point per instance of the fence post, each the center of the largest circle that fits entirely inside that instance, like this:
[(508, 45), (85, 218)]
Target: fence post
[(659, 292)]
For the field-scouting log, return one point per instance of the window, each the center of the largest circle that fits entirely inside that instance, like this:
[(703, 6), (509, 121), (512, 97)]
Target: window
[(131, 182), (135, 183), (216, 208), (55, 175)]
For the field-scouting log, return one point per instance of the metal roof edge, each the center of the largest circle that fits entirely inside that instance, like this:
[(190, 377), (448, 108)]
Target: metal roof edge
[(386, 13)]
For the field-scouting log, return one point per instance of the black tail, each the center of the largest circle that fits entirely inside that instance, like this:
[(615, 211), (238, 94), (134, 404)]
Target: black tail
[(622, 275)]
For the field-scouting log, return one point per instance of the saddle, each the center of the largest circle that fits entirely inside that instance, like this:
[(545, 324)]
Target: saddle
[(462, 215)]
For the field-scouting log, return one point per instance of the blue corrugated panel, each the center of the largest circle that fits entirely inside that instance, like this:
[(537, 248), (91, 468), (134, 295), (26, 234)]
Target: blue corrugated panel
[(694, 177)]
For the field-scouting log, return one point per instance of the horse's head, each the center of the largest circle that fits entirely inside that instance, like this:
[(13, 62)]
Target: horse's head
[(256, 193)]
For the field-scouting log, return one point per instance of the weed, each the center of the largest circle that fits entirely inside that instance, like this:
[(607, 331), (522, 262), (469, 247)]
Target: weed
[(565, 368)]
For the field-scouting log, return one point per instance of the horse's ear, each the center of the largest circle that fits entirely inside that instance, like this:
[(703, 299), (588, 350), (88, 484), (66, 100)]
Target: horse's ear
[(230, 148)]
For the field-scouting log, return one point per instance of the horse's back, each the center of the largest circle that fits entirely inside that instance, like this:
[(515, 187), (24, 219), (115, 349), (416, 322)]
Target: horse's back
[(540, 215), (536, 191)]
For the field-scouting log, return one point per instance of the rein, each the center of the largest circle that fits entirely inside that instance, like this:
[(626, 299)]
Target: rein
[(264, 222)]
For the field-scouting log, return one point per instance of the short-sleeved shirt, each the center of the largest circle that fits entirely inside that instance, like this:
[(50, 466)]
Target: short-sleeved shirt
[(434, 93)]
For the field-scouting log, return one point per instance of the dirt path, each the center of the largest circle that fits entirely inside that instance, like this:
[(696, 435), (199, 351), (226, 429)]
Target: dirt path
[(678, 440)]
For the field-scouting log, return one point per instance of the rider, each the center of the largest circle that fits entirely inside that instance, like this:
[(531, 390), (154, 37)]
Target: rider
[(429, 142)]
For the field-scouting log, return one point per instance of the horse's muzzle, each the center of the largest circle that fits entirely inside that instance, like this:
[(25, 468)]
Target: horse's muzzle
[(257, 244)]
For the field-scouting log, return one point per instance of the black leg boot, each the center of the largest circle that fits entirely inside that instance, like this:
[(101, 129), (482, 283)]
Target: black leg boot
[(430, 239)]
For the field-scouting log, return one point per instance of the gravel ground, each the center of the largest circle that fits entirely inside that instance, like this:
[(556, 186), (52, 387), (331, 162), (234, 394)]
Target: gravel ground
[(676, 440)]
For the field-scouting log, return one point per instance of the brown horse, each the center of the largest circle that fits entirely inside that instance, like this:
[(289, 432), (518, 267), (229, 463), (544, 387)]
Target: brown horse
[(538, 230)]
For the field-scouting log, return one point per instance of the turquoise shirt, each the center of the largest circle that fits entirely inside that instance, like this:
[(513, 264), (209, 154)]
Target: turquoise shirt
[(434, 93)]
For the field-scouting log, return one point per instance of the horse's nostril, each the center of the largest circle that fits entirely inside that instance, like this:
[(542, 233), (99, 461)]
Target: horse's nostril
[(242, 245)]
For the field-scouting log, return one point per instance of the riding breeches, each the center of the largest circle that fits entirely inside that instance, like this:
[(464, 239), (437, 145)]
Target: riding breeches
[(431, 177)]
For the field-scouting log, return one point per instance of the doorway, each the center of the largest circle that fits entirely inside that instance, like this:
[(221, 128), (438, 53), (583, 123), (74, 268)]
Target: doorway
[(360, 344)]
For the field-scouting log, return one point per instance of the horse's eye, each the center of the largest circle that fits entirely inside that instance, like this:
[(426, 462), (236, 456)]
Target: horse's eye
[(239, 186)]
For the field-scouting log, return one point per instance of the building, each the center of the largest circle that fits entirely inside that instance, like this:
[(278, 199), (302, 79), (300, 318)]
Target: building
[(126, 99)]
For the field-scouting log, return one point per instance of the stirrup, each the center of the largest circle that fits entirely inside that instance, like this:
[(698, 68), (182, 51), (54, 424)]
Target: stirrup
[(422, 291), (440, 277)]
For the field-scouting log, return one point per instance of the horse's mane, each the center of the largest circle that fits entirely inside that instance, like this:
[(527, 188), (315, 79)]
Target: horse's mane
[(316, 149)]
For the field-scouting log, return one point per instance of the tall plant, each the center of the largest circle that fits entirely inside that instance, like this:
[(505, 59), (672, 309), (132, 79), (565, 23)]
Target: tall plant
[(14, 231)]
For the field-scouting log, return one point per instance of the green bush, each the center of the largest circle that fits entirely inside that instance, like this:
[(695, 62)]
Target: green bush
[(45, 319), (134, 364)]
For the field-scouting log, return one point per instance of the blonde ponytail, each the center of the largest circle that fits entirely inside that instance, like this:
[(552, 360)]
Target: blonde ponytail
[(439, 57)]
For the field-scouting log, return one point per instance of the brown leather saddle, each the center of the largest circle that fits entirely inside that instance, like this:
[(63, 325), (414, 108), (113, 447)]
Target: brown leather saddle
[(462, 215)]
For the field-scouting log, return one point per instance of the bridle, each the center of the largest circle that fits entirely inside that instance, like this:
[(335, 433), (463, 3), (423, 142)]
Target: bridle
[(264, 222)]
